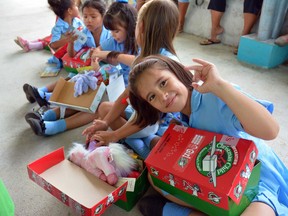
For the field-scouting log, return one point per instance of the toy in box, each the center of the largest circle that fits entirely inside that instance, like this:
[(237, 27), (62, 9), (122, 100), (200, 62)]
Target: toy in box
[(81, 59), (63, 95), (215, 173), (60, 178)]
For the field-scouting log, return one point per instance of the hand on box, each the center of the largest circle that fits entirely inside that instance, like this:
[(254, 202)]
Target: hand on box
[(98, 125), (95, 64)]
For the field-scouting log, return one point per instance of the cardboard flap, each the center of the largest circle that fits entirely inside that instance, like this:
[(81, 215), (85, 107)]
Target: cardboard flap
[(115, 88), (65, 95), (241, 179)]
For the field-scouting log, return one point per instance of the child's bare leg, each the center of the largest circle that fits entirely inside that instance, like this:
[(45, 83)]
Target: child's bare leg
[(79, 119), (258, 208), (104, 109), (68, 112), (154, 141), (176, 200)]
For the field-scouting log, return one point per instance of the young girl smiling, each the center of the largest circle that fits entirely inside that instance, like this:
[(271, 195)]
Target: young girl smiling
[(208, 102)]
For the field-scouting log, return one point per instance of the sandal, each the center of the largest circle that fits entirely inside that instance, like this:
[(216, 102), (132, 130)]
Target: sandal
[(209, 42)]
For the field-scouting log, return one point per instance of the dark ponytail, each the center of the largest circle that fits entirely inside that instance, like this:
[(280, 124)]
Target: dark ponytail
[(59, 7)]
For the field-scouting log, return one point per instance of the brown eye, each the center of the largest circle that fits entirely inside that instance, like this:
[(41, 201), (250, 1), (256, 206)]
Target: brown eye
[(150, 98), (163, 83)]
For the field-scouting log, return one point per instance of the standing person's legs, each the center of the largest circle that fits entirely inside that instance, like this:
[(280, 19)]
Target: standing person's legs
[(217, 8), (182, 6), (251, 11)]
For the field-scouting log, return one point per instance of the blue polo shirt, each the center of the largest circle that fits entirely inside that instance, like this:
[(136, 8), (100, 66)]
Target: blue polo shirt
[(105, 34), (61, 28)]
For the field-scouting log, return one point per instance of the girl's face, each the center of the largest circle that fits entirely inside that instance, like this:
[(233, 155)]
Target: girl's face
[(119, 34), (163, 90), (74, 11), (92, 18)]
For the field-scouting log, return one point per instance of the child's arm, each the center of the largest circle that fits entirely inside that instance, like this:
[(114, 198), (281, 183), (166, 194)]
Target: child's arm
[(105, 137), (121, 57), (126, 59), (255, 119), (116, 111), (71, 37), (59, 43)]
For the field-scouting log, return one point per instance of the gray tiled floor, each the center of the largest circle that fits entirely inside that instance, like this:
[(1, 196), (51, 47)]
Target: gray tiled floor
[(19, 146)]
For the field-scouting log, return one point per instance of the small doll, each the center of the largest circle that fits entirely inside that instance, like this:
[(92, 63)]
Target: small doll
[(106, 162)]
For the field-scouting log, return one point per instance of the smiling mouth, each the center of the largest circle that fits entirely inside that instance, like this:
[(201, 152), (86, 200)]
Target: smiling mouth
[(170, 102)]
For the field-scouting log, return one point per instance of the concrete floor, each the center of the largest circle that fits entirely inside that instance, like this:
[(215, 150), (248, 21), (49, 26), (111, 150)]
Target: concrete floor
[(19, 146)]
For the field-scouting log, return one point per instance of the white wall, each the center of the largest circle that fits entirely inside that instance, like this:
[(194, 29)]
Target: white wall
[(198, 21)]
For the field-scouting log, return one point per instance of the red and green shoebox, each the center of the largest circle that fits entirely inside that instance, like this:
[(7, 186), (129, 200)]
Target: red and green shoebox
[(81, 59), (216, 174), (84, 193)]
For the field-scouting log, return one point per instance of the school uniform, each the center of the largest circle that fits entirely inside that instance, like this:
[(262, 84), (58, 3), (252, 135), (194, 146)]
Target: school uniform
[(212, 114), (112, 45), (61, 27), (150, 132), (90, 42)]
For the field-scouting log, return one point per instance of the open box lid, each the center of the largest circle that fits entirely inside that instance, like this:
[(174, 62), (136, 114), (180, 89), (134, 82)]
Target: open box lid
[(72, 185), (63, 95), (216, 163)]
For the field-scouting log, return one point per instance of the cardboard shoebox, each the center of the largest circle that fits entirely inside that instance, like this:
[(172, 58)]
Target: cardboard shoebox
[(63, 95), (81, 59), (86, 194), (214, 173)]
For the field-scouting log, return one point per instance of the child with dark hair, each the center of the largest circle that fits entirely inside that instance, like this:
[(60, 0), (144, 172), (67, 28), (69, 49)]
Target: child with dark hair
[(125, 17), (67, 15), (120, 19), (93, 12), (154, 35), (208, 102)]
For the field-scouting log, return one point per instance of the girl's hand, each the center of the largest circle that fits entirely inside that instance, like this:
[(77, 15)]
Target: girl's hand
[(206, 77), (104, 137), (100, 54), (98, 125), (71, 37), (95, 64)]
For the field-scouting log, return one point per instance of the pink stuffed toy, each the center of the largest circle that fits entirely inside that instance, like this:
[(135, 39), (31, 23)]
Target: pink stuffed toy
[(106, 162)]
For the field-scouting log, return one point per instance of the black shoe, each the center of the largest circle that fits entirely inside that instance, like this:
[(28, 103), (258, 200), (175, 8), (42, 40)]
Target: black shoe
[(35, 94), (34, 115), (152, 205), (28, 96), (37, 126)]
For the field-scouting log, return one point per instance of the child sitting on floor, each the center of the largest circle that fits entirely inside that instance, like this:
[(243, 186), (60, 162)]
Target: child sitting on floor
[(208, 102), (150, 41), (93, 12), (121, 18)]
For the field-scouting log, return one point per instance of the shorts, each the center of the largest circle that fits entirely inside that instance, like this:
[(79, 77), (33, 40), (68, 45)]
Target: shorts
[(252, 6), (217, 5)]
